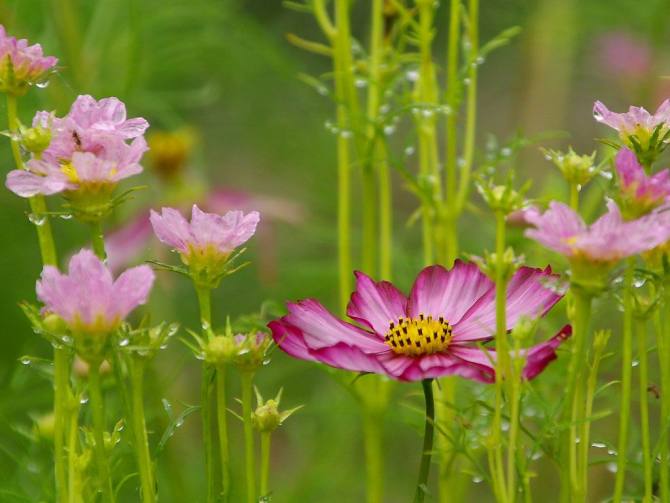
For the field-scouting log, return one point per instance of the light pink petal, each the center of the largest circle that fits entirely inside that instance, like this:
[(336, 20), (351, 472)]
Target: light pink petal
[(627, 167), (602, 114), (528, 295), (207, 228), (663, 112), (555, 227), (238, 228), (131, 289), (53, 290), (133, 128), (321, 329), (438, 292), (171, 228), (376, 305), (27, 184)]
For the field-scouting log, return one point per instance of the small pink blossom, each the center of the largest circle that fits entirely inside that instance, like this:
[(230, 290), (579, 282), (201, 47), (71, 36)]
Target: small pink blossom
[(88, 298), (437, 331), (623, 55), (609, 239), (206, 233), (637, 121), (21, 65), (639, 190)]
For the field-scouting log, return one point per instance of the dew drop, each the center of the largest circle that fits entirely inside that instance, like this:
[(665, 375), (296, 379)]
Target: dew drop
[(635, 363), (124, 342), (466, 81), (322, 90), (43, 84), (606, 175), (25, 360), (389, 130), (427, 113), (66, 339), (611, 467), (384, 109), (345, 133), (266, 361), (639, 283), (477, 479), (506, 152), (409, 150), (480, 60), (83, 400), (360, 83), (179, 422), (205, 325), (37, 219), (598, 445), (412, 75), (66, 216)]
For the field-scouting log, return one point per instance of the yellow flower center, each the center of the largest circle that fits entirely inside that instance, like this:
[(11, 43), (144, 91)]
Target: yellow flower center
[(419, 336), (69, 171)]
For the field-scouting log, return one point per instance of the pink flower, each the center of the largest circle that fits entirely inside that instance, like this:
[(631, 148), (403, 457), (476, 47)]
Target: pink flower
[(88, 298), (608, 240), (206, 233), (21, 65), (623, 55), (83, 173), (432, 333), (640, 191), (636, 118)]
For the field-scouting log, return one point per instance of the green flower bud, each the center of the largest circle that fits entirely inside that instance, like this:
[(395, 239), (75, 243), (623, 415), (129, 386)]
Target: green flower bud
[(35, 139), (267, 416), (576, 169)]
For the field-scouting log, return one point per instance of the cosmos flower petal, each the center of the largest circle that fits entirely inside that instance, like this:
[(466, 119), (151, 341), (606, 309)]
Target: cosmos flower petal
[(131, 289), (171, 228), (438, 292), (25, 183), (445, 364), (528, 295), (376, 304)]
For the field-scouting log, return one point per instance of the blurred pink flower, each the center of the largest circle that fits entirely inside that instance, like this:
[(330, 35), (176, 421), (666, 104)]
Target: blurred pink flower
[(638, 190), (609, 239), (623, 55), (432, 333), (21, 65), (635, 121), (88, 298)]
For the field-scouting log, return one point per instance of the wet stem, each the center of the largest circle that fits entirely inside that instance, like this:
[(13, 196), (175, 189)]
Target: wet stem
[(141, 443), (265, 462), (662, 328), (641, 330), (98, 412), (38, 207), (98, 240), (626, 369), (249, 458), (426, 453), (74, 480)]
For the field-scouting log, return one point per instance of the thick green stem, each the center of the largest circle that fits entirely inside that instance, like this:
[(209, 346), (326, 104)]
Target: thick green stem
[(574, 196), (647, 463), (249, 456), (372, 436), (265, 462), (98, 412), (98, 240), (141, 443), (662, 329), (222, 420), (626, 364), (427, 452), (573, 412), (205, 302)]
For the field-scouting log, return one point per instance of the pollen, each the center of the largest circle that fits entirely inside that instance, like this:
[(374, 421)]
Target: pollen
[(69, 171), (422, 335)]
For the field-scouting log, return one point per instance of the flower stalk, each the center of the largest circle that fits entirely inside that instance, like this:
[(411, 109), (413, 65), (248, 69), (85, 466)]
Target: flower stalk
[(98, 413), (426, 453), (139, 430), (222, 421), (647, 464), (266, 437), (249, 456)]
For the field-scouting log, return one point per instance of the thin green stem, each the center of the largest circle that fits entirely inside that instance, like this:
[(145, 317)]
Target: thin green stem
[(265, 462), (626, 364), (62, 396), (662, 325), (98, 240), (471, 104), (222, 419), (205, 303), (141, 443), (647, 463), (249, 457), (98, 412), (427, 452), (372, 436), (74, 479), (515, 409)]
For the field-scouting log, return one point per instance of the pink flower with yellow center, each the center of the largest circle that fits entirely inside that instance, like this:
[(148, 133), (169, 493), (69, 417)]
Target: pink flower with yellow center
[(441, 329), (640, 193), (606, 241), (206, 242), (88, 298), (21, 65)]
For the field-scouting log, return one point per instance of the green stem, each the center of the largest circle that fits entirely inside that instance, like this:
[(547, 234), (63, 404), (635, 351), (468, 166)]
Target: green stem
[(626, 364), (205, 302), (661, 325), (98, 240), (445, 414), (223, 430), (249, 458), (62, 396), (265, 462), (372, 436), (515, 409), (426, 453), (647, 464), (74, 480), (471, 104), (98, 412), (574, 196), (140, 431)]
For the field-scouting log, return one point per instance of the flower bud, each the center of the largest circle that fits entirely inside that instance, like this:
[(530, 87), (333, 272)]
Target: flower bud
[(576, 169), (502, 198), (267, 416), (35, 139)]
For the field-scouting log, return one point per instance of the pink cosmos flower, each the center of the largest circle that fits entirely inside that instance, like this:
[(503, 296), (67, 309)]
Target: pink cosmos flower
[(432, 333), (21, 65), (623, 55), (206, 233), (638, 189), (88, 298), (609, 239), (635, 121)]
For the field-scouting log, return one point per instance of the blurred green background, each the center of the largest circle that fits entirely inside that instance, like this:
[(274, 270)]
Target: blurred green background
[(225, 69)]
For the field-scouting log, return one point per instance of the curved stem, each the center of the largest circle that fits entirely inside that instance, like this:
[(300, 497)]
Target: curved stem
[(140, 432), (249, 457), (222, 420), (424, 470), (647, 465), (265, 462), (98, 412), (626, 364)]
